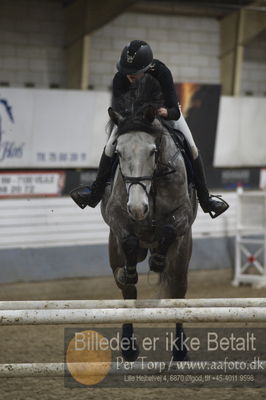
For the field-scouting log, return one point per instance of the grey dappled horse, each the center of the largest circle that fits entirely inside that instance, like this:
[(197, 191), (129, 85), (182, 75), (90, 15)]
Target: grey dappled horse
[(149, 205)]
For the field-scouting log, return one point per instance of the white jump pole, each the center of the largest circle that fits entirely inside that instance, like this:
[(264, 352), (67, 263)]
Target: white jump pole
[(150, 303), (123, 315)]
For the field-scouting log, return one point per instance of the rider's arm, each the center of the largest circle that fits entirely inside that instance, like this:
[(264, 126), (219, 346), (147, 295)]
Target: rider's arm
[(164, 76), (120, 85)]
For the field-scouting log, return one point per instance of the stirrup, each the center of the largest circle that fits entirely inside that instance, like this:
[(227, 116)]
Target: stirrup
[(79, 199), (216, 214)]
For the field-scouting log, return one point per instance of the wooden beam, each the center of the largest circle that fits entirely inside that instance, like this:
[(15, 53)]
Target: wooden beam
[(85, 16), (85, 63), (254, 23), (228, 33), (237, 29), (178, 9), (74, 64), (238, 55)]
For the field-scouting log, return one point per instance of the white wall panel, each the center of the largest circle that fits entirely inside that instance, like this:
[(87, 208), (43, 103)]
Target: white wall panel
[(66, 129), (43, 222), (241, 139), (53, 129)]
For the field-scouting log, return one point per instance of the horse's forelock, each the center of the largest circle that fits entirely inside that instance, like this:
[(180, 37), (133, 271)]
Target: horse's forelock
[(139, 125), (143, 91)]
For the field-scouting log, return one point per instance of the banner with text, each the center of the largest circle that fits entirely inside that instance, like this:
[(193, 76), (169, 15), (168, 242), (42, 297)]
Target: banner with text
[(52, 129), (39, 183)]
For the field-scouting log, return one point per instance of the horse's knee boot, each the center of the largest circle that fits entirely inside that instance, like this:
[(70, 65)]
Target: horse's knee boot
[(157, 260), (130, 247), (167, 236)]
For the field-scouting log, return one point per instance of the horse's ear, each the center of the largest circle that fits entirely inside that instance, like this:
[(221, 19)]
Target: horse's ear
[(115, 116), (149, 113)]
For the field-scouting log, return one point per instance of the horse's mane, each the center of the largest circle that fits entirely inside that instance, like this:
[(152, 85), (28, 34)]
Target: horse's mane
[(143, 93)]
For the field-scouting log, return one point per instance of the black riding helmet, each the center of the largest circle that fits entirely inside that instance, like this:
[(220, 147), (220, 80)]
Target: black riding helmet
[(136, 57)]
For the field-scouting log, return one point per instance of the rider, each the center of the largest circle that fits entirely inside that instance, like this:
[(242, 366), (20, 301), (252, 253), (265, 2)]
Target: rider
[(135, 61)]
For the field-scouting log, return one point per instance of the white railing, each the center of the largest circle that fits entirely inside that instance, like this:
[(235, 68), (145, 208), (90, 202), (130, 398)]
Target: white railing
[(250, 257), (121, 311)]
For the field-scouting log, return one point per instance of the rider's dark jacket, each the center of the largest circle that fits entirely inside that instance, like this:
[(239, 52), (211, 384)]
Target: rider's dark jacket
[(163, 75)]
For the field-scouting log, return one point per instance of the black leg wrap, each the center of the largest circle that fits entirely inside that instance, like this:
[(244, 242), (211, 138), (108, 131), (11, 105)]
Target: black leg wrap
[(157, 260), (168, 235), (130, 247), (131, 275)]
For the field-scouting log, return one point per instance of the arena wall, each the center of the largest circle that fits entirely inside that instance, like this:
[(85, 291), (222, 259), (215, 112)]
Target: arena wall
[(52, 238), (32, 47), (32, 43), (32, 54)]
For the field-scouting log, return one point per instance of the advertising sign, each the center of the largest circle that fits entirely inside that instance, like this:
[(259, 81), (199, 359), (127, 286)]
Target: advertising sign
[(52, 129), (41, 183), (221, 127)]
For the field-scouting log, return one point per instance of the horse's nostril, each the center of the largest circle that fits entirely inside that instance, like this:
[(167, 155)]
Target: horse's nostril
[(146, 208)]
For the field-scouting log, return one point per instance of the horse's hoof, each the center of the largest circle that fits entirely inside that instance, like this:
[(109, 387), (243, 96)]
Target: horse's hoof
[(180, 355), (157, 262), (120, 277), (123, 278), (131, 354), (129, 292)]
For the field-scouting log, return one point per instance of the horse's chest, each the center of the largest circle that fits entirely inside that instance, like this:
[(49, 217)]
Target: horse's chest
[(147, 238)]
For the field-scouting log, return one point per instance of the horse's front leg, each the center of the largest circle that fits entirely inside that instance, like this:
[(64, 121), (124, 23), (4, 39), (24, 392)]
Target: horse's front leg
[(130, 247), (125, 272), (167, 236)]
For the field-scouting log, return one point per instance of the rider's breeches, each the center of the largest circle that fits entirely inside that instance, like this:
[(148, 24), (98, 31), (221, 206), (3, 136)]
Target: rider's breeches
[(182, 126)]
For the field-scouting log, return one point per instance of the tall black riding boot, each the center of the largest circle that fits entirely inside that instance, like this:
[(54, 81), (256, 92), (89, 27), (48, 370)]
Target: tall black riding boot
[(92, 195), (208, 202)]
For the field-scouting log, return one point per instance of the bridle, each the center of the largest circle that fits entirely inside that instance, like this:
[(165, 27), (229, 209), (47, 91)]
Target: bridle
[(138, 180), (160, 170)]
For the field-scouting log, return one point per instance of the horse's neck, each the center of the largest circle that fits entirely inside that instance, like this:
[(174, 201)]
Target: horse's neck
[(171, 156), (168, 150)]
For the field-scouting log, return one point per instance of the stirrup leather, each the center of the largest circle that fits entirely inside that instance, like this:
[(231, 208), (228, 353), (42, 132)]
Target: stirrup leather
[(216, 214)]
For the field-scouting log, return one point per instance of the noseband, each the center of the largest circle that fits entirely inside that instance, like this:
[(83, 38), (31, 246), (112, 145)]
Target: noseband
[(137, 181)]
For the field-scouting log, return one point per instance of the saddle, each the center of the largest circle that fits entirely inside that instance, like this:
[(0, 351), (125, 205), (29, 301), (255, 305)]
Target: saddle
[(182, 144)]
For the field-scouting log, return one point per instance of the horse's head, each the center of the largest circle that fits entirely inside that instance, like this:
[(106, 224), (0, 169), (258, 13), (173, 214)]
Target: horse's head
[(136, 147)]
